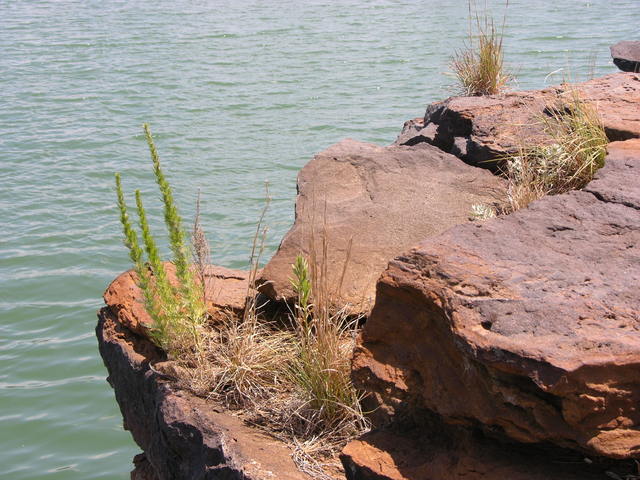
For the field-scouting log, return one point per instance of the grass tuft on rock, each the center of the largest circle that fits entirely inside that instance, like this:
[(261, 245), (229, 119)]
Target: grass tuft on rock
[(479, 65), (290, 375), (576, 151)]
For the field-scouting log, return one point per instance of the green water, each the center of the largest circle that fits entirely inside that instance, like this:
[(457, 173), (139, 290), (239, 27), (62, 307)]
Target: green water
[(237, 93)]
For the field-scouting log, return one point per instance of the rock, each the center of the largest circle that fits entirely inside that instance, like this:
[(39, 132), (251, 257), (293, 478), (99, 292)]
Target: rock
[(626, 56), (383, 200), (444, 452), (526, 326), (183, 436), (227, 290), (143, 470), (480, 130)]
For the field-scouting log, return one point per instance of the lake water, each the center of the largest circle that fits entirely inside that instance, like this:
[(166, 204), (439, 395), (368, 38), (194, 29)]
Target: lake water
[(237, 93)]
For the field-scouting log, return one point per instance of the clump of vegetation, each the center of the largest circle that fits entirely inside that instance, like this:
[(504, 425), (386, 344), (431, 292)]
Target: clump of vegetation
[(176, 307), (327, 404), (479, 65), (576, 151), (290, 375)]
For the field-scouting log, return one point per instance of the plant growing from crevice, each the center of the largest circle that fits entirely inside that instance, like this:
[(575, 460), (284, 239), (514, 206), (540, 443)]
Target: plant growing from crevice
[(576, 150), (479, 65), (177, 309)]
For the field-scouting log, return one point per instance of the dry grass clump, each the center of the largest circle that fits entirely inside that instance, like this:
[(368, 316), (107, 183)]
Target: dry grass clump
[(576, 151), (290, 375), (479, 66)]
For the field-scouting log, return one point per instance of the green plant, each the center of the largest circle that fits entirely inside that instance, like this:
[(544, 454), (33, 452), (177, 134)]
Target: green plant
[(328, 404), (576, 150), (176, 308), (479, 66)]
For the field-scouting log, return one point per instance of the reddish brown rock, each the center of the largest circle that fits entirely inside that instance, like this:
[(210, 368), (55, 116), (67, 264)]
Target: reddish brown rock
[(183, 436), (383, 199), (527, 326), (443, 452), (227, 290), (481, 129)]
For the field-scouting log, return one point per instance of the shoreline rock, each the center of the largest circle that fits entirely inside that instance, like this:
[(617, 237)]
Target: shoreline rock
[(626, 56), (182, 436), (526, 327), (371, 203), (508, 348), (481, 130)]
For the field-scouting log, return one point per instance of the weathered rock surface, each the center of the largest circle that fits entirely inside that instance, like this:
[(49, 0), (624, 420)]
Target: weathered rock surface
[(482, 129), (383, 200), (626, 56), (183, 436), (526, 326), (436, 451), (227, 290)]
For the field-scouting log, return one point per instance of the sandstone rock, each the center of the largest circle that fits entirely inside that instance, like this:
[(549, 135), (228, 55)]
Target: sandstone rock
[(480, 130), (440, 452), (383, 199), (183, 436), (626, 56), (227, 290), (527, 326)]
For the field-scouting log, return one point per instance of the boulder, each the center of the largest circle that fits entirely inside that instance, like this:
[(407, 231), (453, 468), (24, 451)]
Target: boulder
[(525, 326), (226, 290), (626, 56), (183, 436), (367, 204), (480, 130), (437, 451)]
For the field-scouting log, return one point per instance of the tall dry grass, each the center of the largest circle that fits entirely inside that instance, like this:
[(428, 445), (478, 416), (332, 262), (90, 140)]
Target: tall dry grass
[(568, 162), (479, 65)]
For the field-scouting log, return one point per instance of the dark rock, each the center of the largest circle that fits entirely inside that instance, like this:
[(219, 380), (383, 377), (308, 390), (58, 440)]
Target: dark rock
[(626, 56), (437, 451), (383, 200), (527, 326), (143, 470), (481, 130), (183, 436)]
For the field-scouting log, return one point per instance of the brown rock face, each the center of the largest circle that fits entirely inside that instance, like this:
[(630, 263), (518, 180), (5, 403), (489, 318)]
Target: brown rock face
[(527, 326), (227, 290), (379, 200), (626, 56), (443, 452), (481, 129), (183, 436)]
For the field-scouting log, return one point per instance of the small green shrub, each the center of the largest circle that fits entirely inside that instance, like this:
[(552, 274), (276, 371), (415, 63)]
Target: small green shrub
[(479, 66), (177, 309)]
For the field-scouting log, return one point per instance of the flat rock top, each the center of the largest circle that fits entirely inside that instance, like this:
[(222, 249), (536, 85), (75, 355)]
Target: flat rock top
[(627, 50), (371, 203), (558, 281)]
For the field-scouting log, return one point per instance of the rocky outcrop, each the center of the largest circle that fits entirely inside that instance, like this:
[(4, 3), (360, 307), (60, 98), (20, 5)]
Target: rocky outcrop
[(370, 203), (526, 327), (183, 436), (626, 56), (480, 130)]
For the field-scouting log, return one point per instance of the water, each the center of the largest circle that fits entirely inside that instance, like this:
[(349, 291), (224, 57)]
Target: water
[(237, 93)]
